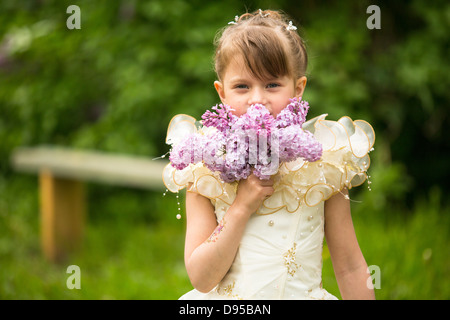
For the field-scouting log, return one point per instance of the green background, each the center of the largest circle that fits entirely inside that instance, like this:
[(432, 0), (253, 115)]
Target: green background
[(115, 84)]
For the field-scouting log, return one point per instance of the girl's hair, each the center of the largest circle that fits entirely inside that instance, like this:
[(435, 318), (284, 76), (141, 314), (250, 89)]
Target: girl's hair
[(266, 41)]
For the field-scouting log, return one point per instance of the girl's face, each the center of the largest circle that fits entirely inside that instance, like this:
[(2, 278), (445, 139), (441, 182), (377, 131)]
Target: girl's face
[(240, 89)]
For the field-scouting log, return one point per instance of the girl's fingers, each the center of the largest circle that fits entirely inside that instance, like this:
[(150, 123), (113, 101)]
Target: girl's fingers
[(262, 182), (269, 191), (267, 182)]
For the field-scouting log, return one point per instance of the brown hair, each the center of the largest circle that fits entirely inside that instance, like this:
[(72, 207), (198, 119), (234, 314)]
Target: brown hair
[(268, 47)]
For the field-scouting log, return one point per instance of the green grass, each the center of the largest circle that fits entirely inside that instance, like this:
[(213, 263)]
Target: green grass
[(125, 255), (133, 248), (410, 249)]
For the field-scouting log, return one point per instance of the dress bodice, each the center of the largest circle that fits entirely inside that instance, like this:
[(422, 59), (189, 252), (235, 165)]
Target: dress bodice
[(279, 257)]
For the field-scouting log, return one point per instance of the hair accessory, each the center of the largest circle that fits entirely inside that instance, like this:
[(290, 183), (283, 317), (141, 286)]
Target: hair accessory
[(236, 18), (291, 26), (263, 15)]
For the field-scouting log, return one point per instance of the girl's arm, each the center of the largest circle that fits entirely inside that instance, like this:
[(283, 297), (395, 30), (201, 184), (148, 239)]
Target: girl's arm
[(349, 264), (210, 247)]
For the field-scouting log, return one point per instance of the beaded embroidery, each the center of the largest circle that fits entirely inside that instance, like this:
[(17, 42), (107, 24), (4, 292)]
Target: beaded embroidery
[(228, 291), (289, 260)]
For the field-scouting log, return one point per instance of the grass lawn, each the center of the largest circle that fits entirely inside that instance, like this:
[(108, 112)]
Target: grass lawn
[(133, 249)]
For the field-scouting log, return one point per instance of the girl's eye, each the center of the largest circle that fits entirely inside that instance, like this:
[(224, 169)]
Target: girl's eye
[(272, 85), (241, 86)]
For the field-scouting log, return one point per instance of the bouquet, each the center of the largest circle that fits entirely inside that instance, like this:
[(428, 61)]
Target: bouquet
[(254, 142)]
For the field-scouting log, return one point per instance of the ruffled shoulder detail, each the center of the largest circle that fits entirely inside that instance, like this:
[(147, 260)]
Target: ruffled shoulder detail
[(180, 126), (344, 164), (199, 179)]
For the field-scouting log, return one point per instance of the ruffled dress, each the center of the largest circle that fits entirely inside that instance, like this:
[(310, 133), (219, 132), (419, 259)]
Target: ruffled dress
[(280, 253)]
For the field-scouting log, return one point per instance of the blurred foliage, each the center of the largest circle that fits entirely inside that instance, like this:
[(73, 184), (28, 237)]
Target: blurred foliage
[(115, 84)]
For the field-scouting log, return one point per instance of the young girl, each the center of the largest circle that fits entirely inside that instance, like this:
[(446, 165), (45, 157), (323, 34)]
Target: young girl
[(263, 239)]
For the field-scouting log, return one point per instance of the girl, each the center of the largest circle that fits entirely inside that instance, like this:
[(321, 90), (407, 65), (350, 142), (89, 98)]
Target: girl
[(262, 239)]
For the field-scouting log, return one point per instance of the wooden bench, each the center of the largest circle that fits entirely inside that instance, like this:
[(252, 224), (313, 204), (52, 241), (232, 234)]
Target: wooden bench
[(62, 173)]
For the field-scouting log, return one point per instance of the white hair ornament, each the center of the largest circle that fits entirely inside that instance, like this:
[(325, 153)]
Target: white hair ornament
[(263, 15), (291, 27), (236, 18)]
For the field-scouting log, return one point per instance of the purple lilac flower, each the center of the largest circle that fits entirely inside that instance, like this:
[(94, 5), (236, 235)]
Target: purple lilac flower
[(222, 119), (196, 148), (254, 141), (295, 142), (257, 118), (294, 113), (183, 154)]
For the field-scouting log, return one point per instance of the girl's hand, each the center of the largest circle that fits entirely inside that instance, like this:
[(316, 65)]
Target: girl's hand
[(252, 192)]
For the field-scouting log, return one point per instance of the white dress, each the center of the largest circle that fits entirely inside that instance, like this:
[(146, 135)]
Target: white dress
[(280, 253)]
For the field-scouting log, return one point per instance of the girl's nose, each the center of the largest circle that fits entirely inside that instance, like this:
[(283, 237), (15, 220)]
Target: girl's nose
[(257, 96)]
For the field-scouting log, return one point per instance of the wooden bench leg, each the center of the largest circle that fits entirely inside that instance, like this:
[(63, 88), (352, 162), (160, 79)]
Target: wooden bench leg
[(62, 215)]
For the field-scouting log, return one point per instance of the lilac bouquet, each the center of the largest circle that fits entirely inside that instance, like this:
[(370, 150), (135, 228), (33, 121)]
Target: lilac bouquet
[(254, 142)]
